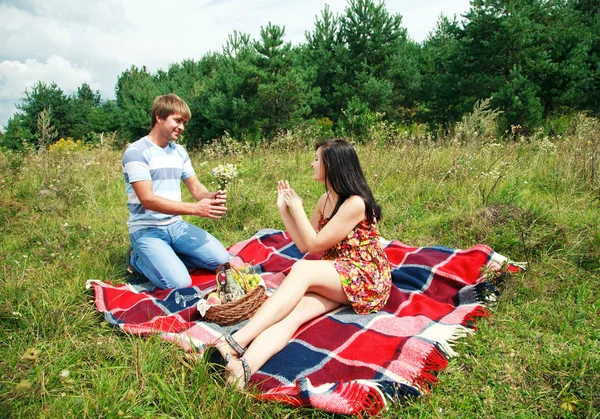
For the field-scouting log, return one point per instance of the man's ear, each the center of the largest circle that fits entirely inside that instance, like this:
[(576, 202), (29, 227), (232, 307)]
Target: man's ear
[(159, 120)]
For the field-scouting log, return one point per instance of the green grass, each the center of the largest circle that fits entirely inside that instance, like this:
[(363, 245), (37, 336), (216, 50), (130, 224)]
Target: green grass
[(537, 200)]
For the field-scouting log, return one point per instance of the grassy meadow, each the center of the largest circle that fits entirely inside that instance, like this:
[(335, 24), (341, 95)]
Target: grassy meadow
[(534, 199)]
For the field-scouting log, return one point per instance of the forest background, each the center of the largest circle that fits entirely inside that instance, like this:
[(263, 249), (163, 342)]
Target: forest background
[(536, 61)]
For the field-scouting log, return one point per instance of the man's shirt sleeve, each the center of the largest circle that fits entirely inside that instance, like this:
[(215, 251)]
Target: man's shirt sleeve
[(135, 166)]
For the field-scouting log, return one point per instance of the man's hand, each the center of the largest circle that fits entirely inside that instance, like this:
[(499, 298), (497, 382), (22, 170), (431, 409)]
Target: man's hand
[(221, 195), (212, 206)]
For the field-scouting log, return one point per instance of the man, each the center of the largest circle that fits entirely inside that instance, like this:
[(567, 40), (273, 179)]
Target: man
[(163, 245)]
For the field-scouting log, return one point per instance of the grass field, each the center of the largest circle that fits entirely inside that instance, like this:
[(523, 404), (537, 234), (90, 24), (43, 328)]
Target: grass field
[(533, 199)]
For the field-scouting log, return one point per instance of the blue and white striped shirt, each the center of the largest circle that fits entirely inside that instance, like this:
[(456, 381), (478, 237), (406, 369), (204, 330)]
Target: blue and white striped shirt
[(165, 167)]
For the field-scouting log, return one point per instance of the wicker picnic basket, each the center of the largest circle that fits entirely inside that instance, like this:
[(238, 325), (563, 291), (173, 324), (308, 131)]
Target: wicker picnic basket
[(238, 310)]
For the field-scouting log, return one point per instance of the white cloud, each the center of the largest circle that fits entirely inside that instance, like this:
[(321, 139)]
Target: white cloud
[(16, 76), (56, 69), (71, 42), (106, 13)]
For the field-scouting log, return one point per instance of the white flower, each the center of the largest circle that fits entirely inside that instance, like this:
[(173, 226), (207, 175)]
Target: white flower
[(224, 174)]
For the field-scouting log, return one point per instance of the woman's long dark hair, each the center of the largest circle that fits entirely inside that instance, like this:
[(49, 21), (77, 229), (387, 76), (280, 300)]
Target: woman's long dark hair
[(344, 175)]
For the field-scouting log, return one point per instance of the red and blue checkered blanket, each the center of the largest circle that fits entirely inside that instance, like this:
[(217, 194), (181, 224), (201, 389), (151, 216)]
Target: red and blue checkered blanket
[(340, 362)]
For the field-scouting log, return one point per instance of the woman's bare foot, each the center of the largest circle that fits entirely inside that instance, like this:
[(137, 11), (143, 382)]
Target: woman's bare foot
[(235, 375), (239, 373), (226, 351)]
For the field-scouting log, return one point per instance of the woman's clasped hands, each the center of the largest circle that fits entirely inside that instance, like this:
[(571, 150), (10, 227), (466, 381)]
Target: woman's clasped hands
[(286, 196)]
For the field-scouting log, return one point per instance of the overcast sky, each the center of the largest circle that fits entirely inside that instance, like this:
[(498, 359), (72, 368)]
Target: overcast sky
[(71, 42)]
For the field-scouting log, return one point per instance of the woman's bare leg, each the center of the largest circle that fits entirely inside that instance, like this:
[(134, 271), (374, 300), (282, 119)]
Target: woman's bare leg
[(316, 276), (277, 336)]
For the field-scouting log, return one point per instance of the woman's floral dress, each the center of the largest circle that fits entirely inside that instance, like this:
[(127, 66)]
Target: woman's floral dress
[(362, 266)]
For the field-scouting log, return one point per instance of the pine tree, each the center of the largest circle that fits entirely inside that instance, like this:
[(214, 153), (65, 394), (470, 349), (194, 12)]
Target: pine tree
[(135, 92)]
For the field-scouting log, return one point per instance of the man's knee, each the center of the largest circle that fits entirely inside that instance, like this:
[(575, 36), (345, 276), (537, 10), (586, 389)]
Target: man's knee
[(218, 258), (176, 281)]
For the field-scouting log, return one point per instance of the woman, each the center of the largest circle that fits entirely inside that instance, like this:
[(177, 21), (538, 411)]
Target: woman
[(353, 270)]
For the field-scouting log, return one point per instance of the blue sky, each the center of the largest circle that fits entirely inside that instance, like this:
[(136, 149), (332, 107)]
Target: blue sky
[(71, 42)]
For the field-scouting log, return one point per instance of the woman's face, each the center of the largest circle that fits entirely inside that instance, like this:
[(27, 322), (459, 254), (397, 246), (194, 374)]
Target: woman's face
[(317, 165)]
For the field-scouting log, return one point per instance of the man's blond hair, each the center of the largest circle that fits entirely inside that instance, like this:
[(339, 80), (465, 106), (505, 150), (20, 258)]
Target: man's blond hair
[(166, 105)]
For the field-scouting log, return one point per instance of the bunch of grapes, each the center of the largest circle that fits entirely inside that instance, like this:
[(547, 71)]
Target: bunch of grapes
[(252, 278)]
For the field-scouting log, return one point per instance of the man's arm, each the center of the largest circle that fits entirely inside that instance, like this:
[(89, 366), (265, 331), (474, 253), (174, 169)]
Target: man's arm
[(199, 191), (205, 207)]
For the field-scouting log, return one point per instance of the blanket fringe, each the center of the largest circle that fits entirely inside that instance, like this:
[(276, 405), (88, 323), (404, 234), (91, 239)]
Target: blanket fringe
[(370, 401), (442, 338), (478, 312), (278, 395), (435, 361), (344, 397), (482, 293)]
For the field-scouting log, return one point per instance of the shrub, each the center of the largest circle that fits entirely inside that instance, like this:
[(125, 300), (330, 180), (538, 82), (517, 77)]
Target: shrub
[(481, 125)]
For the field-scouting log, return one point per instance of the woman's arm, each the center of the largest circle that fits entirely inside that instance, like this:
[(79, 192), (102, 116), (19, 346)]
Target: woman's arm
[(288, 219), (350, 213)]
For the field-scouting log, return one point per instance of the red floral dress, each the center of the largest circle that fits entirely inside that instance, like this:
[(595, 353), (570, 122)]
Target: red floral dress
[(363, 267)]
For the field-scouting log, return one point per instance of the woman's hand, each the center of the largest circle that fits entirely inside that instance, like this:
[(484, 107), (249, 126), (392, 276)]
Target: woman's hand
[(282, 186), (286, 196), (291, 198)]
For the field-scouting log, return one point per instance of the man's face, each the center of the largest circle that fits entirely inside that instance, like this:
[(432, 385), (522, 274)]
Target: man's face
[(172, 126)]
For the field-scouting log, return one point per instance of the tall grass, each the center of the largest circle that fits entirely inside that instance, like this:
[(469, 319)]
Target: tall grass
[(534, 199)]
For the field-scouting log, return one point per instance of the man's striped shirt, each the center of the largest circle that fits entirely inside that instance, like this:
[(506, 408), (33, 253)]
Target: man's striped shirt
[(165, 167)]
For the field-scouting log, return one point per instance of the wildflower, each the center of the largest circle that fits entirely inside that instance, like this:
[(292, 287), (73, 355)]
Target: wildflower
[(64, 378), (224, 174), (547, 146), (67, 145)]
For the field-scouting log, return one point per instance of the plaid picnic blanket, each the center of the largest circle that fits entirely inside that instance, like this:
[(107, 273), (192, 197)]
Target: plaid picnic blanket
[(340, 362)]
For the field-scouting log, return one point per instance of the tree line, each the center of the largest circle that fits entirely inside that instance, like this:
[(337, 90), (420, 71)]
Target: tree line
[(533, 59)]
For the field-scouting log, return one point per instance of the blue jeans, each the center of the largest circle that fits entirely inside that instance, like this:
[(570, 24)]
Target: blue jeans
[(164, 254)]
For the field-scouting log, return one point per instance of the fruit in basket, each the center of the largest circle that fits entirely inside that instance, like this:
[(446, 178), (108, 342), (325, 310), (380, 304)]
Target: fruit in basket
[(252, 278), (213, 299)]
